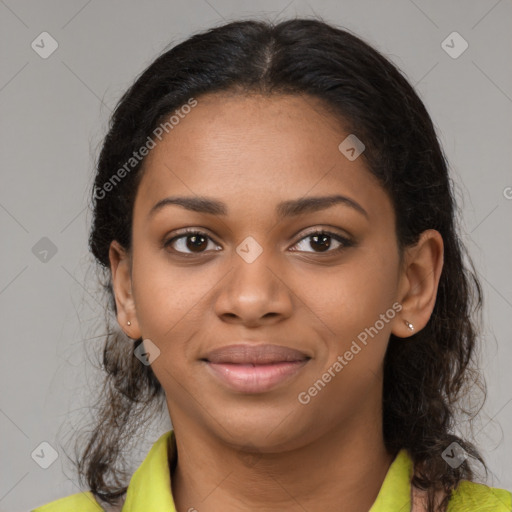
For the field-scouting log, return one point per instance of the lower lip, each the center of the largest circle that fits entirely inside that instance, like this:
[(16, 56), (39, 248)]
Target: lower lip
[(255, 379)]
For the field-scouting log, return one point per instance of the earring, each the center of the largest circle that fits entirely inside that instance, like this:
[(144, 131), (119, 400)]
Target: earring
[(409, 325), (129, 323)]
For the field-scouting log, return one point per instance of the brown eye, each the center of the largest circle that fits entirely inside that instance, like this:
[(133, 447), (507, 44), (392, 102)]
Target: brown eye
[(322, 241), (192, 242)]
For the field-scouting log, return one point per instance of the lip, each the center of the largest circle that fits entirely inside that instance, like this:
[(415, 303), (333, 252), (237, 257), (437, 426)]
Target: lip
[(254, 368), (245, 353)]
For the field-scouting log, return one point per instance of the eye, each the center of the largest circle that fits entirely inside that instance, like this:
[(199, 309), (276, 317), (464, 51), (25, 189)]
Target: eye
[(322, 240), (195, 241)]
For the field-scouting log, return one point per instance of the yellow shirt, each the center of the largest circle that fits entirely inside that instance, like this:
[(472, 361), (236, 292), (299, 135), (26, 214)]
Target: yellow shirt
[(149, 489)]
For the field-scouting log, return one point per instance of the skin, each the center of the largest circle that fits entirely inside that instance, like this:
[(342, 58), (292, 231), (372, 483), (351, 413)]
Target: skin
[(252, 152)]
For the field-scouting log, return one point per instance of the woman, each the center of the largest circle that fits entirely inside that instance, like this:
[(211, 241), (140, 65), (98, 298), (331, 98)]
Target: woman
[(276, 225)]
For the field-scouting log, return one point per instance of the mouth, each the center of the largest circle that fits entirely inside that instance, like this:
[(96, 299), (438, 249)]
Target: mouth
[(254, 368)]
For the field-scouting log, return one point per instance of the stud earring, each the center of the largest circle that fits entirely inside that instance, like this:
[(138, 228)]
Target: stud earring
[(409, 325), (129, 323)]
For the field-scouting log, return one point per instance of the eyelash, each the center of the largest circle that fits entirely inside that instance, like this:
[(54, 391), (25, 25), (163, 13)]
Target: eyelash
[(346, 243)]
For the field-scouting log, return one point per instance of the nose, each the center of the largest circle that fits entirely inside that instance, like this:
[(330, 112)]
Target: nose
[(255, 292)]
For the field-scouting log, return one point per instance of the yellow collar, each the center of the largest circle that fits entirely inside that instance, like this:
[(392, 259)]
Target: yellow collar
[(150, 489), (395, 491)]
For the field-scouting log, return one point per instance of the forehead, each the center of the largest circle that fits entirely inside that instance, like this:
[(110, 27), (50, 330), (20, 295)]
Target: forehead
[(255, 151)]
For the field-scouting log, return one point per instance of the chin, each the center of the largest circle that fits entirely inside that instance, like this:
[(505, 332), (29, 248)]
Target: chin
[(266, 433)]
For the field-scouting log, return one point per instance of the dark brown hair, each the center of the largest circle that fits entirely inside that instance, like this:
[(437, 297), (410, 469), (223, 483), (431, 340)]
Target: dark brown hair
[(425, 377)]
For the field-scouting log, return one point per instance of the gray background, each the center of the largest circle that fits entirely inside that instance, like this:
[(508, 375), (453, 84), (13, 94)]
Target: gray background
[(54, 113)]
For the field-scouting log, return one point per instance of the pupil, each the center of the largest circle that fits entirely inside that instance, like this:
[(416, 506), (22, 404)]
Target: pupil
[(195, 239), (324, 246)]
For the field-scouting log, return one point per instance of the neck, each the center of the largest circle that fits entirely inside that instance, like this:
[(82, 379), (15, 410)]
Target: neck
[(342, 469)]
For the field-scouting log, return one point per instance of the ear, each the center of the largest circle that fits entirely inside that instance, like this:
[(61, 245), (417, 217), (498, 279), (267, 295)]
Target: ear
[(120, 266), (419, 282)]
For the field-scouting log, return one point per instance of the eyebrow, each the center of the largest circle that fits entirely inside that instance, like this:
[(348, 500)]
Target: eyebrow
[(288, 208)]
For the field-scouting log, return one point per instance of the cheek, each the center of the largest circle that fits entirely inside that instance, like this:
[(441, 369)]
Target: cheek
[(357, 293), (171, 302), (356, 303)]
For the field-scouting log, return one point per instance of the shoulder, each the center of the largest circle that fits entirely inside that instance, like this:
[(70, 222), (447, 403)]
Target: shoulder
[(80, 502), (467, 497), (475, 497)]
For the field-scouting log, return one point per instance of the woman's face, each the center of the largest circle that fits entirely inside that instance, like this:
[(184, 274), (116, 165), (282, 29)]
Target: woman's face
[(258, 274)]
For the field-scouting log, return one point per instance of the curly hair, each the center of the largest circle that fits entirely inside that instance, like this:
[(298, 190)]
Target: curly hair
[(425, 379)]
